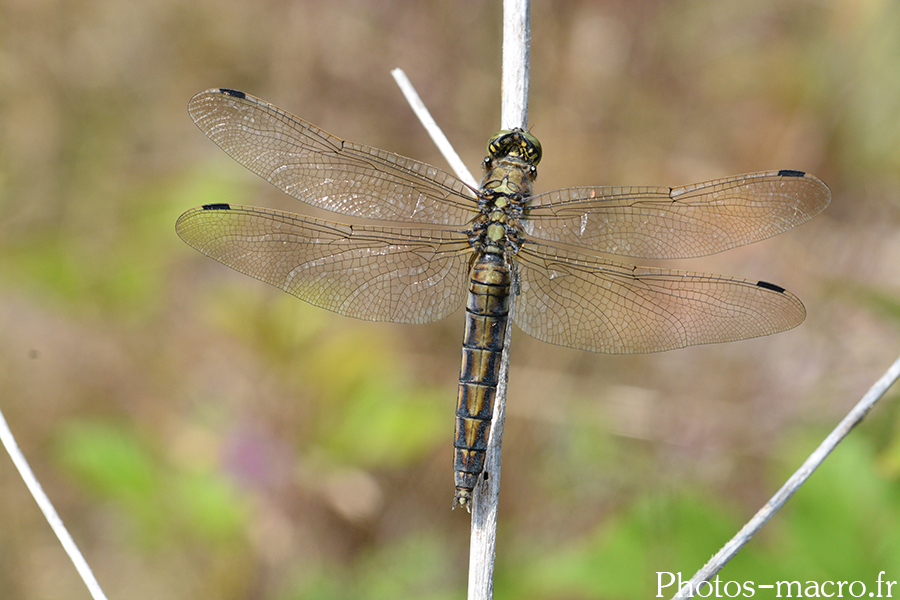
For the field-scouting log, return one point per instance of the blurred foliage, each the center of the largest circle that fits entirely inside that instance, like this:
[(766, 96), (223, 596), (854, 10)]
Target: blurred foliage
[(203, 435), (841, 506), (110, 463)]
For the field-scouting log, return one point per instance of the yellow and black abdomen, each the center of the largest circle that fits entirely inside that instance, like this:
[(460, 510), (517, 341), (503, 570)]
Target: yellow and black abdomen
[(487, 310)]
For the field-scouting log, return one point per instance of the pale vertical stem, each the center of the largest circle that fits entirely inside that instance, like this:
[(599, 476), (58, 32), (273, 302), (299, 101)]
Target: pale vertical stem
[(747, 532), (516, 40), (43, 502), (514, 113), (516, 63)]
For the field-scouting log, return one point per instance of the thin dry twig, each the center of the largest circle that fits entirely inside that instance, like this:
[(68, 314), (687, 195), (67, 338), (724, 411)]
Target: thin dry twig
[(516, 63), (853, 418), (43, 502), (428, 122)]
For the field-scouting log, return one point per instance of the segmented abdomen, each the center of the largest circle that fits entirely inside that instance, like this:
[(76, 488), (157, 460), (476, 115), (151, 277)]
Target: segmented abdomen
[(487, 309)]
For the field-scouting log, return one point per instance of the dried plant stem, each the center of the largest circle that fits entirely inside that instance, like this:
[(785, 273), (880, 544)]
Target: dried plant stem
[(516, 39), (56, 524), (853, 418), (514, 113), (516, 63), (432, 128)]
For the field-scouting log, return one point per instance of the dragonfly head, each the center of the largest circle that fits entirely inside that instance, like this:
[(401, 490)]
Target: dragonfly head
[(516, 142)]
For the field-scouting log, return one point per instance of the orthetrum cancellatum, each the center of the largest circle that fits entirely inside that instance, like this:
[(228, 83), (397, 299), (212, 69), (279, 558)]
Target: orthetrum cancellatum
[(451, 244)]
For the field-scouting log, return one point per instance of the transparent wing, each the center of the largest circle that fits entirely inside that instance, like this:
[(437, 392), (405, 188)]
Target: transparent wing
[(325, 171), (589, 303), (414, 275), (683, 222)]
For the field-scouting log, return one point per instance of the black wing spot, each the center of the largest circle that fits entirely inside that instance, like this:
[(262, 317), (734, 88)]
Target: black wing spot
[(235, 93), (770, 286), (220, 206), (791, 173)]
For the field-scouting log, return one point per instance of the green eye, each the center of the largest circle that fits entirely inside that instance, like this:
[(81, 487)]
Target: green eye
[(534, 151), (491, 147)]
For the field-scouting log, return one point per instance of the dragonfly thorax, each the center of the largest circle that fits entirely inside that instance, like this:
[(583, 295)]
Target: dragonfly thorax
[(497, 228), (505, 190)]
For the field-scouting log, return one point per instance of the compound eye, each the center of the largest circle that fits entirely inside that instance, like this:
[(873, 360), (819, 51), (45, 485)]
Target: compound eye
[(492, 147), (534, 149), (516, 141)]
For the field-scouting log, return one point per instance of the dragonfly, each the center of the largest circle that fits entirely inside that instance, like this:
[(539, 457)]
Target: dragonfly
[(438, 243)]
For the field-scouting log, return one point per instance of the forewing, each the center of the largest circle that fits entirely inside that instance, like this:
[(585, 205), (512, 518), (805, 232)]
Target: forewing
[(683, 222), (593, 304), (414, 275), (325, 171)]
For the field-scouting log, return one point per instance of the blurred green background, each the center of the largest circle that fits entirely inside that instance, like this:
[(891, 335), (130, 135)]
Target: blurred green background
[(205, 436)]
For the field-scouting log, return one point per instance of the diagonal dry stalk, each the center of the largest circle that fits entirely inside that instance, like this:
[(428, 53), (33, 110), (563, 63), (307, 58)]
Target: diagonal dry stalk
[(43, 502), (730, 549)]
